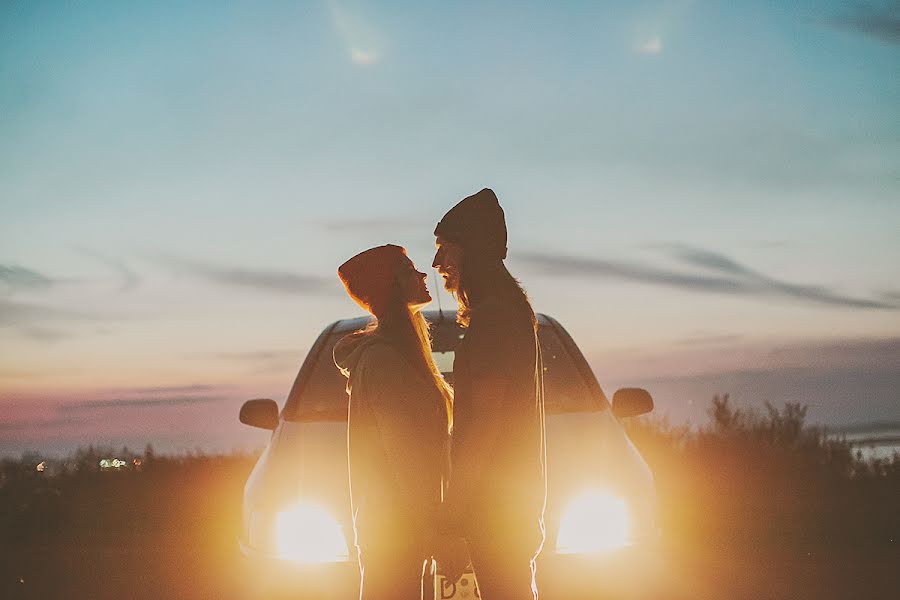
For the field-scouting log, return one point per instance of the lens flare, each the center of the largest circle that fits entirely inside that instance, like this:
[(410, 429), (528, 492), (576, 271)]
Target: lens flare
[(596, 521), (306, 533)]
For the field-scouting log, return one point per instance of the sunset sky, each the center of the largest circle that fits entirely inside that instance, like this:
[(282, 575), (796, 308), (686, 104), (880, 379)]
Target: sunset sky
[(706, 194)]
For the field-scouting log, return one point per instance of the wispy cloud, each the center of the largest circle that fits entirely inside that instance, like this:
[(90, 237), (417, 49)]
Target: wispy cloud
[(708, 340), (257, 356), (169, 389), (707, 259), (559, 264), (46, 424), (891, 296), (883, 353), (128, 278), (26, 313), (44, 334), (881, 22), (259, 279), (742, 353), (16, 277), (768, 285), (720, 275), (49, 413), (85, 405), (834, 395), (258, 362), (843, 381)]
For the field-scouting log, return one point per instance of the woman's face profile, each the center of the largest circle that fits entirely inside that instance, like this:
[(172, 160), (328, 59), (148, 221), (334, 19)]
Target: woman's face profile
[(412, 285)]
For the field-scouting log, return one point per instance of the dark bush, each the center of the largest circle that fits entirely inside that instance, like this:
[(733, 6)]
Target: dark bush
[(766, 477)]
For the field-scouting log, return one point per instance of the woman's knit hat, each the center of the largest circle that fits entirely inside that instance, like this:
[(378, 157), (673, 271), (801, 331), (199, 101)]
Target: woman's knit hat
[(476, 223), (370, 275)]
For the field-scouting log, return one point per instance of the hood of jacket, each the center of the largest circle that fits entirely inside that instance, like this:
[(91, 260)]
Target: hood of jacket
[(351, 348)]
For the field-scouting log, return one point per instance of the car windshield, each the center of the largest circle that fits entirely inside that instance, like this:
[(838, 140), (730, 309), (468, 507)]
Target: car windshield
[(324, 395)]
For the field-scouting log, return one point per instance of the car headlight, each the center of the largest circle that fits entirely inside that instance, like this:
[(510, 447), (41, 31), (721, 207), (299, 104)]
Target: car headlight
[(306, 533), (596, 521)]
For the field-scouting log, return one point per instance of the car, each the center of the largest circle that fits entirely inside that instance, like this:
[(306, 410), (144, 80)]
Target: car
[(601, 514)]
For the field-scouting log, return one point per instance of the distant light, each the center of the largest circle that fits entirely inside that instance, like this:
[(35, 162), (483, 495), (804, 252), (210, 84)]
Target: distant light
[(137, 462), (651, 46), (41, 466), (363, 57)]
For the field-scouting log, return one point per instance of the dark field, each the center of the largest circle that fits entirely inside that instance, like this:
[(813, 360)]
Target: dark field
[(751, 507), (148, 568)]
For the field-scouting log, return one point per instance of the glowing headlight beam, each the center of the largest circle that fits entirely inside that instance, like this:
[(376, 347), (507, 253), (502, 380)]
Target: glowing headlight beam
[(306, 533), (594, 522)]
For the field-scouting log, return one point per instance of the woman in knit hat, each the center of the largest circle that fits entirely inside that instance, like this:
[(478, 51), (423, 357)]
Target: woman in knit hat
[(399, 420)]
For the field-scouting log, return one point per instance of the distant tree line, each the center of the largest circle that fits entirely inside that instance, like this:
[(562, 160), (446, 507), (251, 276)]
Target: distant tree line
[(744, 475), (767, 475)]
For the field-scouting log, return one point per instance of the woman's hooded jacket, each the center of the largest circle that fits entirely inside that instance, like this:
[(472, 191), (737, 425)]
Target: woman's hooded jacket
[(397, 440)]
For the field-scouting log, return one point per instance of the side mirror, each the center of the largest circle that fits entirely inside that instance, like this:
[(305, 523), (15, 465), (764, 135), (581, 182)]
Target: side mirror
[(260, 413), (631, 402)]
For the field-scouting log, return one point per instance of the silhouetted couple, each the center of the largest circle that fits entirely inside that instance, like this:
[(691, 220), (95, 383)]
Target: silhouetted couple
[(451, 474)]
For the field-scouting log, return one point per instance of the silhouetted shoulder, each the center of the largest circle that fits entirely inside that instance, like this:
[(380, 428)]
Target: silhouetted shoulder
[(495, 315)]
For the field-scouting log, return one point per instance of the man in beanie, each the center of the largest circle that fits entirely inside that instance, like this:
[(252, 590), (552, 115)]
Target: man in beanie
[(497, 489)]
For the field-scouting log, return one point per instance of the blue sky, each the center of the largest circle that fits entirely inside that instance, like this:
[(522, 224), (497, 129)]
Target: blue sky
[(704, 193)]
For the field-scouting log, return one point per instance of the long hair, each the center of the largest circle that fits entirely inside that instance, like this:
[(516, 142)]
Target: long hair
[(481, 277), (409, 331)]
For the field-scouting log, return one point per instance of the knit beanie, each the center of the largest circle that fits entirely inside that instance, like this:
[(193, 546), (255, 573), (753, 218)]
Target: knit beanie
[(476, 223), (370, 275)]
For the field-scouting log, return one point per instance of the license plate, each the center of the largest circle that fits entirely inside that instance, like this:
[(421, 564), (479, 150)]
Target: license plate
[(464, 588)]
